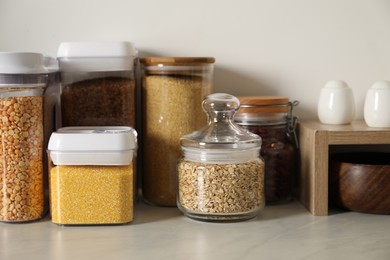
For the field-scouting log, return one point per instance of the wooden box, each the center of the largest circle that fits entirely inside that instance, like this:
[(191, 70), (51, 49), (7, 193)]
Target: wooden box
[(315, 139)]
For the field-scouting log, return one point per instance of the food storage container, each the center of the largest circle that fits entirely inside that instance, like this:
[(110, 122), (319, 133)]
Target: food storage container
[(23, 80), (172, 92), (51, 107), (52, 97), (221, 173), (98, 83), (271, 118), (92, 175)]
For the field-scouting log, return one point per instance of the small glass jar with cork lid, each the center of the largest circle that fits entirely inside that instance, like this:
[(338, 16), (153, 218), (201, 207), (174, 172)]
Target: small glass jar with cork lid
[(221, 173), (271, 118), (91, 175)]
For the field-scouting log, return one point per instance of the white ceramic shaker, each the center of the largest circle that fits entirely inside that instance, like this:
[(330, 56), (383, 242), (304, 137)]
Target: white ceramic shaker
[(377, 105), (336, 103)]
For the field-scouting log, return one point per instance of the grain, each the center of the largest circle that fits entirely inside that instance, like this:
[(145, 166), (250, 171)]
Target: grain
[(91, 194), (21, 166), (221, 188), (171, 109), (106, 101)]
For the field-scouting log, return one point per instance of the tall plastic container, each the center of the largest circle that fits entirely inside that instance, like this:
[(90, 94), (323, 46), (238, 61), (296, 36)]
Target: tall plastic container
[(98, 83), (172, 92), (23, 80)]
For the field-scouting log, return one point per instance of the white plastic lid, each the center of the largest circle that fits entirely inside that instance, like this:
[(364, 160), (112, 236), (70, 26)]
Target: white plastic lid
[(21, 63), (111, 145), (96, 56), (51, 64)]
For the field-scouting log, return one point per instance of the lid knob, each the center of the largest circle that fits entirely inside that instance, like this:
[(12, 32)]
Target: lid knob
[(220, 106)]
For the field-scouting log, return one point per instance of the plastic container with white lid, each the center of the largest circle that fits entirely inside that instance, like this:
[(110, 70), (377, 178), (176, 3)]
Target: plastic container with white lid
[(221, 173), (23, 81), (92, 179), (98, 81)]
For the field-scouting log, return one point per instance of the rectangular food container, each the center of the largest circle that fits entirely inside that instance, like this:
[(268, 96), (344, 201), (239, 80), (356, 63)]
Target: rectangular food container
[(91, 175), (23, 81), (98, 83)]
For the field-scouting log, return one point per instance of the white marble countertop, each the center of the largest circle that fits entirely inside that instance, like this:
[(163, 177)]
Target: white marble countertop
[(281, 232)]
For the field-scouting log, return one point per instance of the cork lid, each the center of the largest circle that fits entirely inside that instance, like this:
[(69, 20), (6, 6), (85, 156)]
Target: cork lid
[(190, 61), (263, 104)]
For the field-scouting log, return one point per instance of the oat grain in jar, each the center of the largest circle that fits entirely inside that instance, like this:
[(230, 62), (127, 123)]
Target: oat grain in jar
[(172, 92), (271, 118), (23, 80), (221, 173)]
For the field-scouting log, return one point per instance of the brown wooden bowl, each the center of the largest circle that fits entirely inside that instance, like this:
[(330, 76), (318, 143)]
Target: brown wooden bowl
[(360, 181)]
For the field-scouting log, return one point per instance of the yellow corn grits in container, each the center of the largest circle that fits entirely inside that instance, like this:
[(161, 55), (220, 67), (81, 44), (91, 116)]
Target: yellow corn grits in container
[(92, 175), (87, 195)]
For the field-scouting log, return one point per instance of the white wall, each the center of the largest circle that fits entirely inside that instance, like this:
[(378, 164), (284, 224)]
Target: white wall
[(262, 47)]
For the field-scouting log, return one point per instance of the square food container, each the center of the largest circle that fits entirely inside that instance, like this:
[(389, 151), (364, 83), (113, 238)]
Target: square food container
[(91, 175), (98, 83)]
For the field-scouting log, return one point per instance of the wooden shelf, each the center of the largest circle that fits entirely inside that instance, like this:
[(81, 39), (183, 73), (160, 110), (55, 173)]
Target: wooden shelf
[(314, 139)]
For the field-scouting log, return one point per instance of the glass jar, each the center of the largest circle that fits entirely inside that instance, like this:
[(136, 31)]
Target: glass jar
[(221, 173), (98, 83), (23, 80), (271, 118), (91, 175), (172, 93)]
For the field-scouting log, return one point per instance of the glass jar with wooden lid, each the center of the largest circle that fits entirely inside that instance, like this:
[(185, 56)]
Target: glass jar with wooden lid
[(271, 117), (173, 89)]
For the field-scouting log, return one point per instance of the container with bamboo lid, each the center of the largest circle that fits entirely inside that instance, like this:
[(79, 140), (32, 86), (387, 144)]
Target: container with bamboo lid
[(173, 89)]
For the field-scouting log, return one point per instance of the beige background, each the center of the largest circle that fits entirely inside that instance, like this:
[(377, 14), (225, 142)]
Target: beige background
[(262, 47)]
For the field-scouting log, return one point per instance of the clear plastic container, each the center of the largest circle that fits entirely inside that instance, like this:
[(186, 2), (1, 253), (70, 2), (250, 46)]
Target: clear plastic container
[(271, 118), (92, 175), (23, 80), (172, 92), (98, 83), (221, 173)]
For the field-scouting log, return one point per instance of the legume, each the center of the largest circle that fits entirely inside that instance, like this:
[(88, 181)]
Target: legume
[(279, 155), (21, 167)]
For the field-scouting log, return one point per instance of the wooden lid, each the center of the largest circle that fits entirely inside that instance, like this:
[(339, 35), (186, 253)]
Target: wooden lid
[(177, 60), (263, 104)]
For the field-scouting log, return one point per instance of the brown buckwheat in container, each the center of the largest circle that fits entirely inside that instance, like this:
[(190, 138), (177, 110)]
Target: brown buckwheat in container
[(98, 83), (172, 92), (23, 80)]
